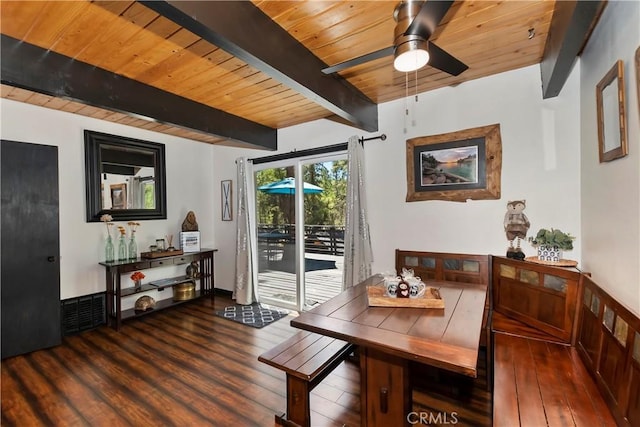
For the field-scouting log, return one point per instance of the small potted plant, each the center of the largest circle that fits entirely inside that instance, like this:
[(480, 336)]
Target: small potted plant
[(551, 243)]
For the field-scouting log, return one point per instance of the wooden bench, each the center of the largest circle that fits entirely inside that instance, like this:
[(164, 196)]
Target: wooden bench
[(608, 342), (538, 383), (565, 352), (307, 358)]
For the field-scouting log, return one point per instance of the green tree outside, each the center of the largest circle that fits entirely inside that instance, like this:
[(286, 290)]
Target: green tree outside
[(326, 208)]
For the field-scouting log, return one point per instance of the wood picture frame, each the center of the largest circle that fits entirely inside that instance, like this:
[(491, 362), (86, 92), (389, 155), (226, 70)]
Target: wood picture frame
[(457, 166), (226, 188), (118, 196), (612, 129)]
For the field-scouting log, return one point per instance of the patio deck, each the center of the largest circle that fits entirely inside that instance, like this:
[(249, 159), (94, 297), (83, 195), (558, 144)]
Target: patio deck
[(277, 280)]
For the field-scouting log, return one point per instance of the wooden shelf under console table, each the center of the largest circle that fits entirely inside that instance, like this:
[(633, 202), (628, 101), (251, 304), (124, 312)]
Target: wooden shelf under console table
[(115, 293)]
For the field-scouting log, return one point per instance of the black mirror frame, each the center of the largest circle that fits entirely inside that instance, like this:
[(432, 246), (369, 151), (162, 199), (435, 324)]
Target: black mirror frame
[(92, 143)]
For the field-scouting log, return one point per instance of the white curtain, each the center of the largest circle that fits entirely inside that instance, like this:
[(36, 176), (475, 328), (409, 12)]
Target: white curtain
[(245, 291), (358, 255), (135, 193)]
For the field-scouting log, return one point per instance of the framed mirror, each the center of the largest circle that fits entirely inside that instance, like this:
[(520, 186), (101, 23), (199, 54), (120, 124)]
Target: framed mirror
[(612, 129), (125, 178)]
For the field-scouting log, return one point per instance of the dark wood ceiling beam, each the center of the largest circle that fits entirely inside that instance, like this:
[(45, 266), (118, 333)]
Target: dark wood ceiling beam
[(571, 26), (30, 67), (243, 30)]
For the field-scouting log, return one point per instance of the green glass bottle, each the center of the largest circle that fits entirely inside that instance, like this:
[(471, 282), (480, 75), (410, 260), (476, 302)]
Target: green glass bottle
[(133, 247), (122, 248), (109, 254)]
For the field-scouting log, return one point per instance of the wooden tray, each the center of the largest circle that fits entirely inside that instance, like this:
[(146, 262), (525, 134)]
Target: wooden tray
[(160, 254), (430, 299), (561, 263)]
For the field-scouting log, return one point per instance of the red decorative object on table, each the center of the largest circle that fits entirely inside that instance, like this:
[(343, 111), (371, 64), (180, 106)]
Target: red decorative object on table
[(137, 277)]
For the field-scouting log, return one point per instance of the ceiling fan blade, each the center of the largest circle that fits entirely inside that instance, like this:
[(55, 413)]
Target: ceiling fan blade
[(443, 61), (359, 60), (430, 15)]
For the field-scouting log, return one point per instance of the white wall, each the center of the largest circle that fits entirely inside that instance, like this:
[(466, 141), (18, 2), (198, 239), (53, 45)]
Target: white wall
[(540, 144), (611, 191), (189, 187)]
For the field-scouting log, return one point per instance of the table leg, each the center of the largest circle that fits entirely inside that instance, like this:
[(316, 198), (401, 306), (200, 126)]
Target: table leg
[(111, 298), (385, 389), (118, 299)]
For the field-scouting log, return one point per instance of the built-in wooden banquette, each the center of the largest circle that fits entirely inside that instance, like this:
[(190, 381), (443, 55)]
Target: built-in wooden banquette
[(543, 383), (540, 296), (565, 352), (609, 345), (560, 350)]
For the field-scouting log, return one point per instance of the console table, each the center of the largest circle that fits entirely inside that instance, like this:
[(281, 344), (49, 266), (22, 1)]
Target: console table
[(115, 292)]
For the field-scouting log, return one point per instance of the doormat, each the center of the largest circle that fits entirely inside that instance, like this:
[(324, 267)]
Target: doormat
[(256, 315)]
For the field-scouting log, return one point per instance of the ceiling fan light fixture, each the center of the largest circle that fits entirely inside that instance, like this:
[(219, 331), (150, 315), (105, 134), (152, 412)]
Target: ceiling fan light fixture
[(411, 55), (416, 21)]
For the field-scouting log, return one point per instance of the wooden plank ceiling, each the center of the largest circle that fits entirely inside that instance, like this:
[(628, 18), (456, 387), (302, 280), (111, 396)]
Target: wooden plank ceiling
[(131, 40)]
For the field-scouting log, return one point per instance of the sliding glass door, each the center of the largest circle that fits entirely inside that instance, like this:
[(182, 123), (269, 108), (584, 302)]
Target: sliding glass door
[(300, 230)]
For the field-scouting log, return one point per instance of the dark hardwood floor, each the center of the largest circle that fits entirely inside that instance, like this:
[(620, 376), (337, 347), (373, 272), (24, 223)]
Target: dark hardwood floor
[(187, 367)]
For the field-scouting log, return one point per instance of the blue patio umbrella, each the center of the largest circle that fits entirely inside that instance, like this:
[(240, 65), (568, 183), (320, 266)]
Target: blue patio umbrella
[(288, 186)]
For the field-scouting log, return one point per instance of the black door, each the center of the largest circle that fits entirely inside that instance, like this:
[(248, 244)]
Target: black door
[(30, 247)]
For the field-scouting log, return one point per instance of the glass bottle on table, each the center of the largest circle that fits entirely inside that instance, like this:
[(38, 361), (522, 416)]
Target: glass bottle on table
[(133, 247), (109, 255), (122, 248)]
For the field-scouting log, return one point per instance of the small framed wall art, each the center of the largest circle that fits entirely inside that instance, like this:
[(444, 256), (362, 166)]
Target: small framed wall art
[(226, 200), (612, 128)]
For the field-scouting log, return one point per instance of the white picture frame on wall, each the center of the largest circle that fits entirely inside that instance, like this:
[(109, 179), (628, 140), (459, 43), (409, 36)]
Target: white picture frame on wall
[(226, 200)]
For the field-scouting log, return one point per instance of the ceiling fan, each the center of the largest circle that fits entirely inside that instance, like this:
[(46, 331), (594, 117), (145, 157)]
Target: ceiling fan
[(416, 21)]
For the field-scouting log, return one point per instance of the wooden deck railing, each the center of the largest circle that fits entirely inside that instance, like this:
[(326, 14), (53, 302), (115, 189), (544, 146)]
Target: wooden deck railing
[(318, 239)]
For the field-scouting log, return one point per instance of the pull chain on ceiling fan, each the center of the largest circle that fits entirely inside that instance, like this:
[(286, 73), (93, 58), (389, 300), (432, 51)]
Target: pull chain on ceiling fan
[(416, 22)]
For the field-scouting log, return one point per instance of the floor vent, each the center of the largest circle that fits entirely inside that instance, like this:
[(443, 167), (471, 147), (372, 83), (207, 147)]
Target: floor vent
[(83, 313)]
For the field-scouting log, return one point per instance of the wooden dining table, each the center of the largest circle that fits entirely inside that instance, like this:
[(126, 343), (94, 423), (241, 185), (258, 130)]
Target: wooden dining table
[(389, 338)]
